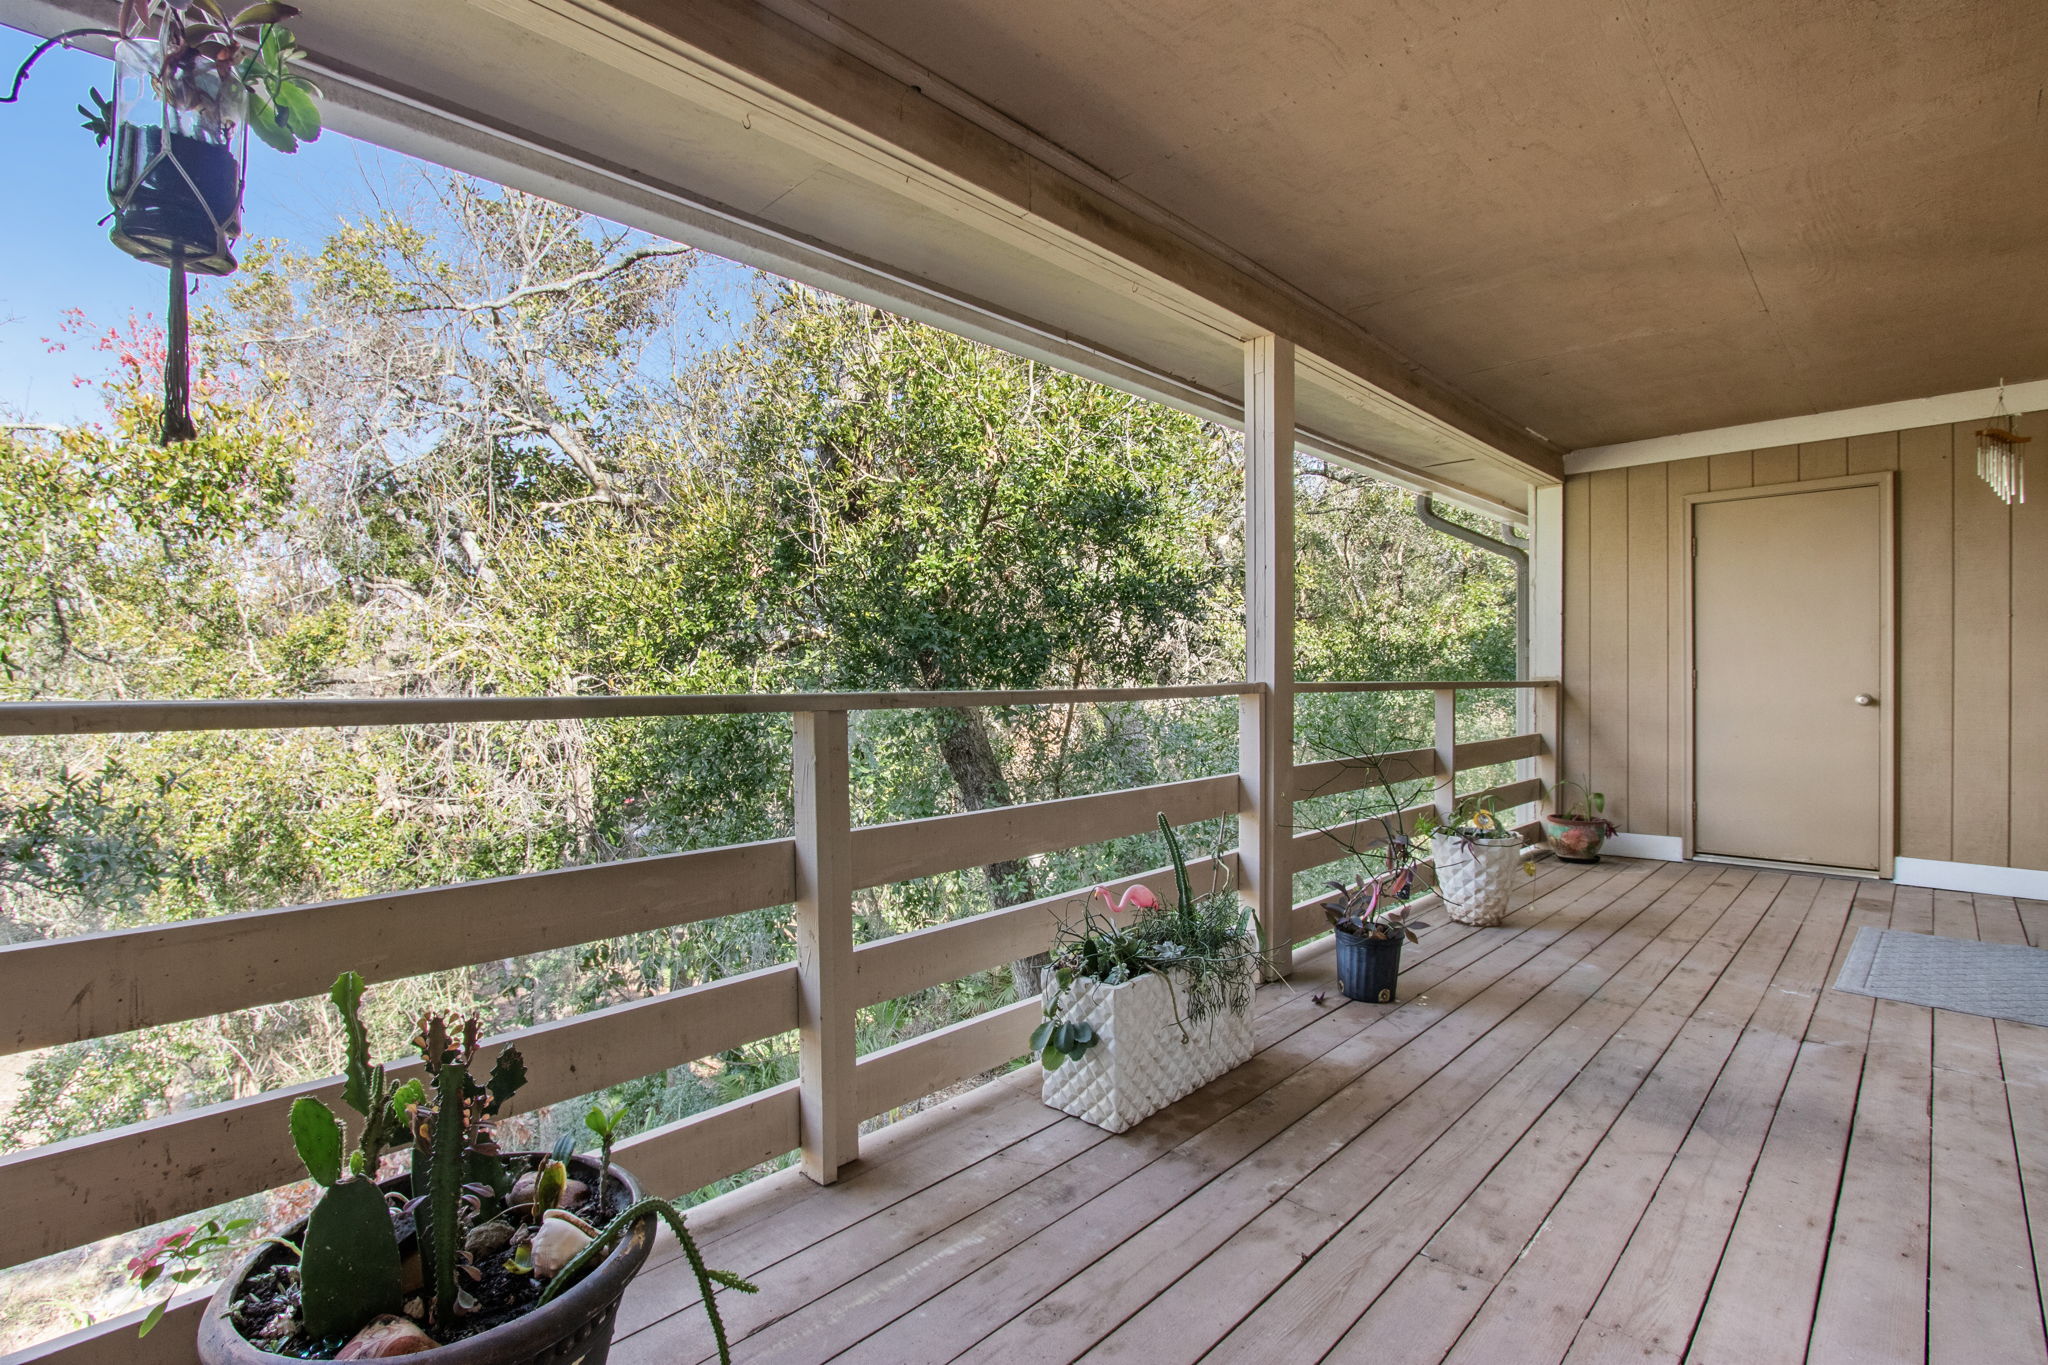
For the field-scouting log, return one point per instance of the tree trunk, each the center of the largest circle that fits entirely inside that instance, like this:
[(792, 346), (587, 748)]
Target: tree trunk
[(971, 757)]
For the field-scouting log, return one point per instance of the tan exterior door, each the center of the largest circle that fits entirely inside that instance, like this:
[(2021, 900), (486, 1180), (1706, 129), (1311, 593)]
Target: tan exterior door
[(1789, 712)]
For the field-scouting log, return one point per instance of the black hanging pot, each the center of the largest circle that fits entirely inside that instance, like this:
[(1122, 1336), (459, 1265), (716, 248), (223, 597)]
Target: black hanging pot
[(180, 139), (1368, 969), (175, 173)]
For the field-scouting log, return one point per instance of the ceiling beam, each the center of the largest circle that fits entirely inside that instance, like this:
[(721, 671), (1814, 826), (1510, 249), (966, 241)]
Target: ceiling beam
[(1938, 410)]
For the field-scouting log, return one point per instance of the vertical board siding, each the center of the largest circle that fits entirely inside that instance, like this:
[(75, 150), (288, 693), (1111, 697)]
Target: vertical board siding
[(1649, 648), (1824, 459), (1983, 661), (1972, 625), (1926, 642), (1872, 454), (1733, 470), (1779, 464), (1574, 735), (2029, 750), (1606, 767)]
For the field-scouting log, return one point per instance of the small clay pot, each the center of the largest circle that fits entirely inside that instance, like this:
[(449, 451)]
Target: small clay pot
[(1574, 840)]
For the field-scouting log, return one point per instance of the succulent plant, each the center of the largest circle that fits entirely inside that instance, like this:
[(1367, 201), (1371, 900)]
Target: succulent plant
[(456, 1168), (349, 1263)]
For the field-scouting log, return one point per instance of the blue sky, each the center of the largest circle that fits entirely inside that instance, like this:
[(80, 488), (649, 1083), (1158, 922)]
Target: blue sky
[(55, 256)]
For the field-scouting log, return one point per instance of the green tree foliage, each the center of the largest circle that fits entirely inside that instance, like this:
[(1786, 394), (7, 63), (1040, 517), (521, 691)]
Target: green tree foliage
[(476, 443)]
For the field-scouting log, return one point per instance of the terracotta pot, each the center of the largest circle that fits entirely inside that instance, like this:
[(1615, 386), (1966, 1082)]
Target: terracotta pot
[(1574, 840), (573, 1329)]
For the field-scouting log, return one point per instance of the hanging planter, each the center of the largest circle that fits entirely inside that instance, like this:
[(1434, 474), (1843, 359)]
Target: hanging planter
[(175, 173), (190, 83)]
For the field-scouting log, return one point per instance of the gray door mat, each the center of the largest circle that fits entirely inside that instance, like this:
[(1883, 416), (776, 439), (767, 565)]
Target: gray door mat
[(1998, 980)]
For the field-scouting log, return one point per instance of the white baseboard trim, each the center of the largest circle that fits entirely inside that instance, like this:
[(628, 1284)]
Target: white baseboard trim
[(1982, 878), (1668, 848)]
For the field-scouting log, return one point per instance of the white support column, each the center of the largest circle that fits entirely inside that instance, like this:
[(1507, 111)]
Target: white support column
[(1265, 822), (1543, 710), (1546, 581), (828, 1118)]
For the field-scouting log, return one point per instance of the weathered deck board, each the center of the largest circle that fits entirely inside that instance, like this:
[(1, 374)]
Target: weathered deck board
[(1258, 1206), (1631, 1124)]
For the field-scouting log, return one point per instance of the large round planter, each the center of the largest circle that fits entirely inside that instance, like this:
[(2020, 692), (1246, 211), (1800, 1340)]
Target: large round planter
[(573, 1329), (1474, 875), (1368, 969), (1574, 840)]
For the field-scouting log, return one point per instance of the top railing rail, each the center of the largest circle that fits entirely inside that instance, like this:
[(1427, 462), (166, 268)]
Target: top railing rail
[(289, 713), (1459, 685), (148, 717)]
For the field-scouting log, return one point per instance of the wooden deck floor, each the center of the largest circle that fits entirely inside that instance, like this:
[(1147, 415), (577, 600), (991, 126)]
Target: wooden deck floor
[(1632, 1124)]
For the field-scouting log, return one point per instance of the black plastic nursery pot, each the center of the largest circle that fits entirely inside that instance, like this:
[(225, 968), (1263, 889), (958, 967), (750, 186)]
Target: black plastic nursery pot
[(1368, 969), (174, 169), (573, 1329), (176, 198)]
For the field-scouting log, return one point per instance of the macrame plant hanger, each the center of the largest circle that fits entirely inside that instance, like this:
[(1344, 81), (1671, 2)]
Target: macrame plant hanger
[(175, 179), (2001, 454)]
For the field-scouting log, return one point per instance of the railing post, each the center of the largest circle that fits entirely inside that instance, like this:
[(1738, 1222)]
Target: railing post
[(1546, 701), (1446, 791), (828, 1109), (1265, 822)]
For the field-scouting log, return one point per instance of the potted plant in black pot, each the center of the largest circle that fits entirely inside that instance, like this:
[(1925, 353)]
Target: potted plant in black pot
[(191, 81), (1371, 917), (1577, 831), (473, 1257)]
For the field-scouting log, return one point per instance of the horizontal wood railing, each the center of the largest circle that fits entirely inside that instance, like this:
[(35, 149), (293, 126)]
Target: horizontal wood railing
[(153, 717), (1335, 776), (94, 986), (144, 1173), (902, 852)]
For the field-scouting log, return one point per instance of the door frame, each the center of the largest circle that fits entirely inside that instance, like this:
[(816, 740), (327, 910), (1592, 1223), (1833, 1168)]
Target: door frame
[(1886, 484)]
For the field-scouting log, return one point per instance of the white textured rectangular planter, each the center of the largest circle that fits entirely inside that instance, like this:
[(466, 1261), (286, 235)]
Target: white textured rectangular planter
[(1147, 1056)]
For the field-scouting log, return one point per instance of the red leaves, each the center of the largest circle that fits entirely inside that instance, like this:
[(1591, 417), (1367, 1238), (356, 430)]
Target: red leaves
[(151, 1261)]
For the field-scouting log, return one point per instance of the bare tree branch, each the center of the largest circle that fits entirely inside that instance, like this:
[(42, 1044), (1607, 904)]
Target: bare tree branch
[(561, 286)]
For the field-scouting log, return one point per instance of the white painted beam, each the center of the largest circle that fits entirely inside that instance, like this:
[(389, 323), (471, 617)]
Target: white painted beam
[(1938, 410)]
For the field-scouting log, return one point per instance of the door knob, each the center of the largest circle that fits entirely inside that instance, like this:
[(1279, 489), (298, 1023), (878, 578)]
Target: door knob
[(1865, 699)]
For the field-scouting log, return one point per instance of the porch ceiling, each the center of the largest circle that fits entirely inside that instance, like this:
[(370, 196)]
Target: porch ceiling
[(1607, 219), (1496, 231)]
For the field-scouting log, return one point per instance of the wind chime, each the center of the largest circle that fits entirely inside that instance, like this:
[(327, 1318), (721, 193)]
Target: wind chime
[(191, 80), (2001, 459)]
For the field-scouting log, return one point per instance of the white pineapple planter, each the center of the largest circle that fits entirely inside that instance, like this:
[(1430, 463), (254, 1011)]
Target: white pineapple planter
[(1474, 876), (1148, 1053)]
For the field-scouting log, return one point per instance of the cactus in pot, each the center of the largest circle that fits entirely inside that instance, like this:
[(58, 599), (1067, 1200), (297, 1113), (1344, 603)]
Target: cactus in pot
[(530, 1263), (349, 1263), (455, 1154)]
